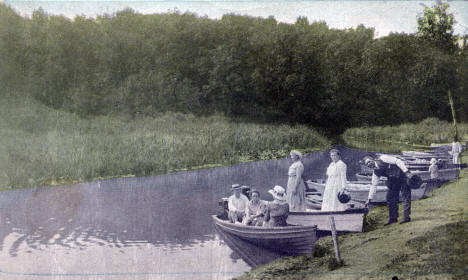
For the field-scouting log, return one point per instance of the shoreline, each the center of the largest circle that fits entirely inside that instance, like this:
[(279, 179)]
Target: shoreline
[(434, 245)]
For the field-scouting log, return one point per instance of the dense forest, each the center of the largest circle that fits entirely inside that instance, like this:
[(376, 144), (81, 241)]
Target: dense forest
[(248, 68)]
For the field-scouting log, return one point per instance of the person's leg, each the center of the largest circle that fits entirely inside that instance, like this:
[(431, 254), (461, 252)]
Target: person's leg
[(392, 202), (406, 197), (232, 216), (455, 158)]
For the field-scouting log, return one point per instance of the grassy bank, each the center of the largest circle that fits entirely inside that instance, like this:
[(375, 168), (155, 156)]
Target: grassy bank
[(434, 245), (41, 146), (428, 131)]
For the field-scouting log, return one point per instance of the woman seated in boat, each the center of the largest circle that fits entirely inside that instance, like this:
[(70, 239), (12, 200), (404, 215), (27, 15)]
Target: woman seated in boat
[(237, 204), (255, 211), (277, 211), (336, 183)]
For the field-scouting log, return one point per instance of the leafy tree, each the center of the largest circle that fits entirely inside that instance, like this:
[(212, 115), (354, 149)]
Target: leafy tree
[(436, 26)]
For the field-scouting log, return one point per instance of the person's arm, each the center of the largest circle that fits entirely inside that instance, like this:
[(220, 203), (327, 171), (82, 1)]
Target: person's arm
[(231, 206), (394, 160), (401, 165), (247, 210), (373, 187), (343, 176), (267, 213)]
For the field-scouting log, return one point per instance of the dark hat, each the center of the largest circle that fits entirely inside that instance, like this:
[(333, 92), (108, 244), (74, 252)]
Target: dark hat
[(414, 181), (343, 198)]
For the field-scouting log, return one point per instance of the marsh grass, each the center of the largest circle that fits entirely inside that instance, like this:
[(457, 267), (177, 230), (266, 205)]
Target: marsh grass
[(428, 131), (42, 146)]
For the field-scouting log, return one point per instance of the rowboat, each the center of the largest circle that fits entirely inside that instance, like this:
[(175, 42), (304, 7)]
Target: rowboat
[(359, 191), (249, 253), (292, 239), (417, 154), (350, 220), (447, 174)]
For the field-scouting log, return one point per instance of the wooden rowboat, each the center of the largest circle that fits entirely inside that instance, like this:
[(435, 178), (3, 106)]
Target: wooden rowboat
[(350, 220), (250, 253), (417, 154), (359, 191), (291, 239), (447, 174)]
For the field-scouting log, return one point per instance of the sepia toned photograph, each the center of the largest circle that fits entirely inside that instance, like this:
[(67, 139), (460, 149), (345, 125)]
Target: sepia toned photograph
[(233, 139)]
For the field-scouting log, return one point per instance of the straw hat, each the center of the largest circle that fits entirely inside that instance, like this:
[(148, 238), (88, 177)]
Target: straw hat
[(236, 187), (278, 193)]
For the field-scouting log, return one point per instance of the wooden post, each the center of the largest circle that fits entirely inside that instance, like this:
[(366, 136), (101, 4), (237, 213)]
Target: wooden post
[(454, 118), (335, 240)]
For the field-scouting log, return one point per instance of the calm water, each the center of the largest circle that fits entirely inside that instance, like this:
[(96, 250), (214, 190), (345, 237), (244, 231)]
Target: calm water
[(138, 228)]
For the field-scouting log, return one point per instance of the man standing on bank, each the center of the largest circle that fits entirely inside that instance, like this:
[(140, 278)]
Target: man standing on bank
[(397, 173)]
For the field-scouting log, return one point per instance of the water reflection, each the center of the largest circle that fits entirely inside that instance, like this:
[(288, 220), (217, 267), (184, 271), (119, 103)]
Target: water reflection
[(159, 224), (251, 254)]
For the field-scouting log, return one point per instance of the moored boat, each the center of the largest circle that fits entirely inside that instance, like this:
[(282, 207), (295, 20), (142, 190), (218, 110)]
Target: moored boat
[(292, 239), (447, 174), (359, 191), (350, 220), (251, 254)]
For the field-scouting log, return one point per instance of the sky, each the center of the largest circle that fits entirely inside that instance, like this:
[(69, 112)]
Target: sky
[(384, 16)]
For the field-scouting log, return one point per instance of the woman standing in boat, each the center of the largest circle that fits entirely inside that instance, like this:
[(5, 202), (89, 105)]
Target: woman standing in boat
[(277, 211), (336, 183), (296, 186)]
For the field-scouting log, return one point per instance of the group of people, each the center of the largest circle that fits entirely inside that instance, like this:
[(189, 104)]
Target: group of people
[(260, 213), (257, 212)]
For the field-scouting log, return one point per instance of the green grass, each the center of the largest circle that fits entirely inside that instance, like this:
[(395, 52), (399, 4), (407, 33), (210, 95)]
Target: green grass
[(434, 245), (428, 131), (41, 146)]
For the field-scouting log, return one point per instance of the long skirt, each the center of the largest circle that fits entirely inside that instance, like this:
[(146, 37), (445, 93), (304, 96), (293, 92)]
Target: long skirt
[(297, 201), (330, 200)]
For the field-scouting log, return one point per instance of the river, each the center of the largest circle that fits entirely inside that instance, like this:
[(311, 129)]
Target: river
[(138, 228)]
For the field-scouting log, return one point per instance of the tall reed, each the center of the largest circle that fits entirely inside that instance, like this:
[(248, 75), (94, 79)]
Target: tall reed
[(428, 131), (41, 146)]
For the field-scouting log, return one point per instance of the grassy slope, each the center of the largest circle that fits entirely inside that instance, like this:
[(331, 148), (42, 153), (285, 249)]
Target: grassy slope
[(42, 146), (434, 245)]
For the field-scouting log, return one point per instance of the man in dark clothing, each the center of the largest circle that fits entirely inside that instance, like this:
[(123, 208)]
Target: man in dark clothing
[(396, 172)]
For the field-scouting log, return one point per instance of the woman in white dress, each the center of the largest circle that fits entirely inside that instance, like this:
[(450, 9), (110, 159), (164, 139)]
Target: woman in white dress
[(336, 182), (296, 187)]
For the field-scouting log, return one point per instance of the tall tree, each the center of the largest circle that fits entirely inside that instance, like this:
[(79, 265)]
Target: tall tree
[(436, 26)]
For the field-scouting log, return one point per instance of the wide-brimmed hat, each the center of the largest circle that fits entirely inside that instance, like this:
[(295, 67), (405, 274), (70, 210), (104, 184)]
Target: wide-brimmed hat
[(278, 193), (236, 187), (433, 160)]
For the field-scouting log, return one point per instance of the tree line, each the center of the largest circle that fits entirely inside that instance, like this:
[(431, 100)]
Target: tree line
[(247, 68)]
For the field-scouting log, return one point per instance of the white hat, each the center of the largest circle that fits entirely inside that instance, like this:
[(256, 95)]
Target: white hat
[(236, 187), (278, 193), (433, 160)]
